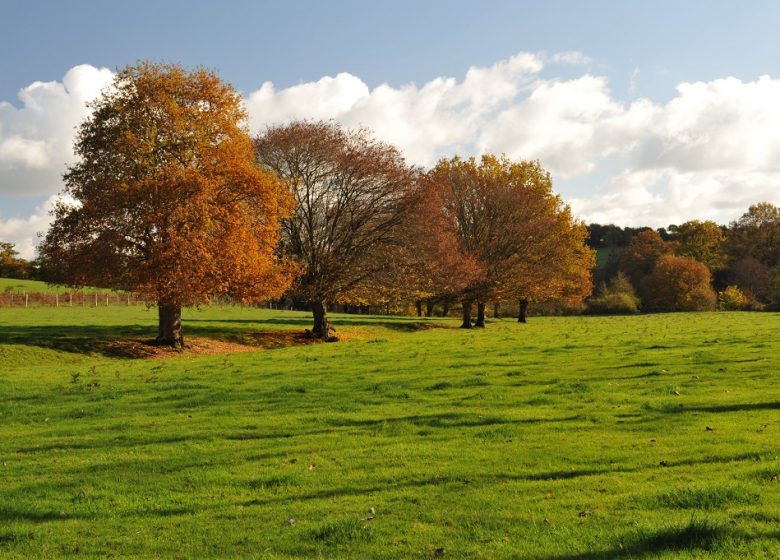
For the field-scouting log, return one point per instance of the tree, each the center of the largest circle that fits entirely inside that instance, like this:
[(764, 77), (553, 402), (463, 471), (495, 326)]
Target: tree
[(757, 234), (11, 266), (617, 298), (679, 284), (169, 202), (639, 259), (506, 219), (733, 299), (703, 241), (560, 271), (351, 193), (753, 277)]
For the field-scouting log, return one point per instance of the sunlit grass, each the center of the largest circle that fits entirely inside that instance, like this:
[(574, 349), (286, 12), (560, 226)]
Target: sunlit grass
[(566, 438)]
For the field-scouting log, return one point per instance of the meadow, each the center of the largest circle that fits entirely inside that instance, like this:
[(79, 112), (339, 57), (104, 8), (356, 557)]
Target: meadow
[(568, 438)]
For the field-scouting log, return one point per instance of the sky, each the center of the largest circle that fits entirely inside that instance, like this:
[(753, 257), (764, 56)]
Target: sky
[(646, 113)]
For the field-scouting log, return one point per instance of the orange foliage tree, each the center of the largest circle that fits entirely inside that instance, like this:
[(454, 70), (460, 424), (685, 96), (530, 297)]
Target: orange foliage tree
[(518, 238), (351, 193), (703, 241), (641, 256), (167, 200), (679, 284)]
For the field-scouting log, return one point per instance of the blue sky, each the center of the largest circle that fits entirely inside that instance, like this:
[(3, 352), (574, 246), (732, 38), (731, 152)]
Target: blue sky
[(598, 101), (396, 42)]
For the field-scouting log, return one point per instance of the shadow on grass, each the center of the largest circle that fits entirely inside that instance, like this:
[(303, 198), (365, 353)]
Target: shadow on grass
[(393, 486), (696, 536), (393, 322), (132, 341), (444, 420), (9, 514), (738, 407), (113, 340)]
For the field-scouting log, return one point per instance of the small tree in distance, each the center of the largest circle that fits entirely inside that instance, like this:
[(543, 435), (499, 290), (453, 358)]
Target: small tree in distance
[(618, 297), (11, 266), (168, 201), (679, 284)]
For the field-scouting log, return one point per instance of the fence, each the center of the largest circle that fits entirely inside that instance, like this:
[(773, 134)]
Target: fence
[(102, 298), (80, 298)]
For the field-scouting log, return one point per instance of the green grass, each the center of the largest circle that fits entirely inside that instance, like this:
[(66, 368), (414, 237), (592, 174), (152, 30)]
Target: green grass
[(22, 286), (563, 439)]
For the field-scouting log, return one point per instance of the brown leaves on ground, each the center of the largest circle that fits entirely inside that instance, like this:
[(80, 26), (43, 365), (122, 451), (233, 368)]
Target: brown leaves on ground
[(202, 346)]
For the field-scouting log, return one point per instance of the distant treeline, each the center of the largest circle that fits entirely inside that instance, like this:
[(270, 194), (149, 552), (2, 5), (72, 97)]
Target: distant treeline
[(696, 266)]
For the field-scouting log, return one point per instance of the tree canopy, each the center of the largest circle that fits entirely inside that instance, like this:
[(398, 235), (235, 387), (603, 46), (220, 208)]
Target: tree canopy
[(506, 220), (351, 193), (165, 198)]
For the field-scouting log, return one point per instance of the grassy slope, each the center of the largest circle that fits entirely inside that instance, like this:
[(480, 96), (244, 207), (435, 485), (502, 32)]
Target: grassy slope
[(34, 286), (536, 441), (26, 286)]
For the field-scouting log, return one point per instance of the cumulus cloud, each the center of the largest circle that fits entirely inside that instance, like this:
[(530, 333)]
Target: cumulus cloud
[(23, 232), (707, 153), (36, 139)]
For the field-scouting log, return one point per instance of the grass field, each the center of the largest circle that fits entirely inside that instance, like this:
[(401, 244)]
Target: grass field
[(21, 286), (566, 438)]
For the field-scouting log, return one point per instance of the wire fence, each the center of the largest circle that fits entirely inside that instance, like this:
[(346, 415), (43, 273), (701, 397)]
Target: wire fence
[(75, 298), (105, 298)]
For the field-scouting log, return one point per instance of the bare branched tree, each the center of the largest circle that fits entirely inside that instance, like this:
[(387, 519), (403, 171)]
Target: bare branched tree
[(351, 192)]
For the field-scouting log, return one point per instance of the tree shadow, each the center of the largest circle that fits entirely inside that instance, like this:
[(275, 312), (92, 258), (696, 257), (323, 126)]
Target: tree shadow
[(395, 323), (9, 514), (739, 407), (133, 341), (695, 536)]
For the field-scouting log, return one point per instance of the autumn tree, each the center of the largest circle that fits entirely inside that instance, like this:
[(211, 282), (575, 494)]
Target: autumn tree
[(506, 219), (11, 266), (440, 270), (640, 257), (756, 234), (679, 284), (753, 277), (703, 241), (351, 192), (167, 199), (559, 271)]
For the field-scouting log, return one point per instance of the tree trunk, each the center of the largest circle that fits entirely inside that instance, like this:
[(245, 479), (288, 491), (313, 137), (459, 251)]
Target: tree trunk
[(480, 324), (497, 310), (322, 328), (521, 317), (169, 333), (429, 308), (418, 306), (466, 315), (445, 309)]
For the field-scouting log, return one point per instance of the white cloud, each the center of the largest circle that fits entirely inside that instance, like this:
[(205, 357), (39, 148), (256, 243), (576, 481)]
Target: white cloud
[(22, 232), (709, 152), (36, 139), (569, 57)]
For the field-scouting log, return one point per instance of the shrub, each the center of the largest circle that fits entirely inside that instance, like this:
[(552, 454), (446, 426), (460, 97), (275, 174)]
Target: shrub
[(733, 299), (679, 284), (618, 298)]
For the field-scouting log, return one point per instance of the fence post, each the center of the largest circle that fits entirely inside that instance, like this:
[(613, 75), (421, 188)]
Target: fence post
[(56, 299), (26, 298), (70, 298), (95, 299)]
